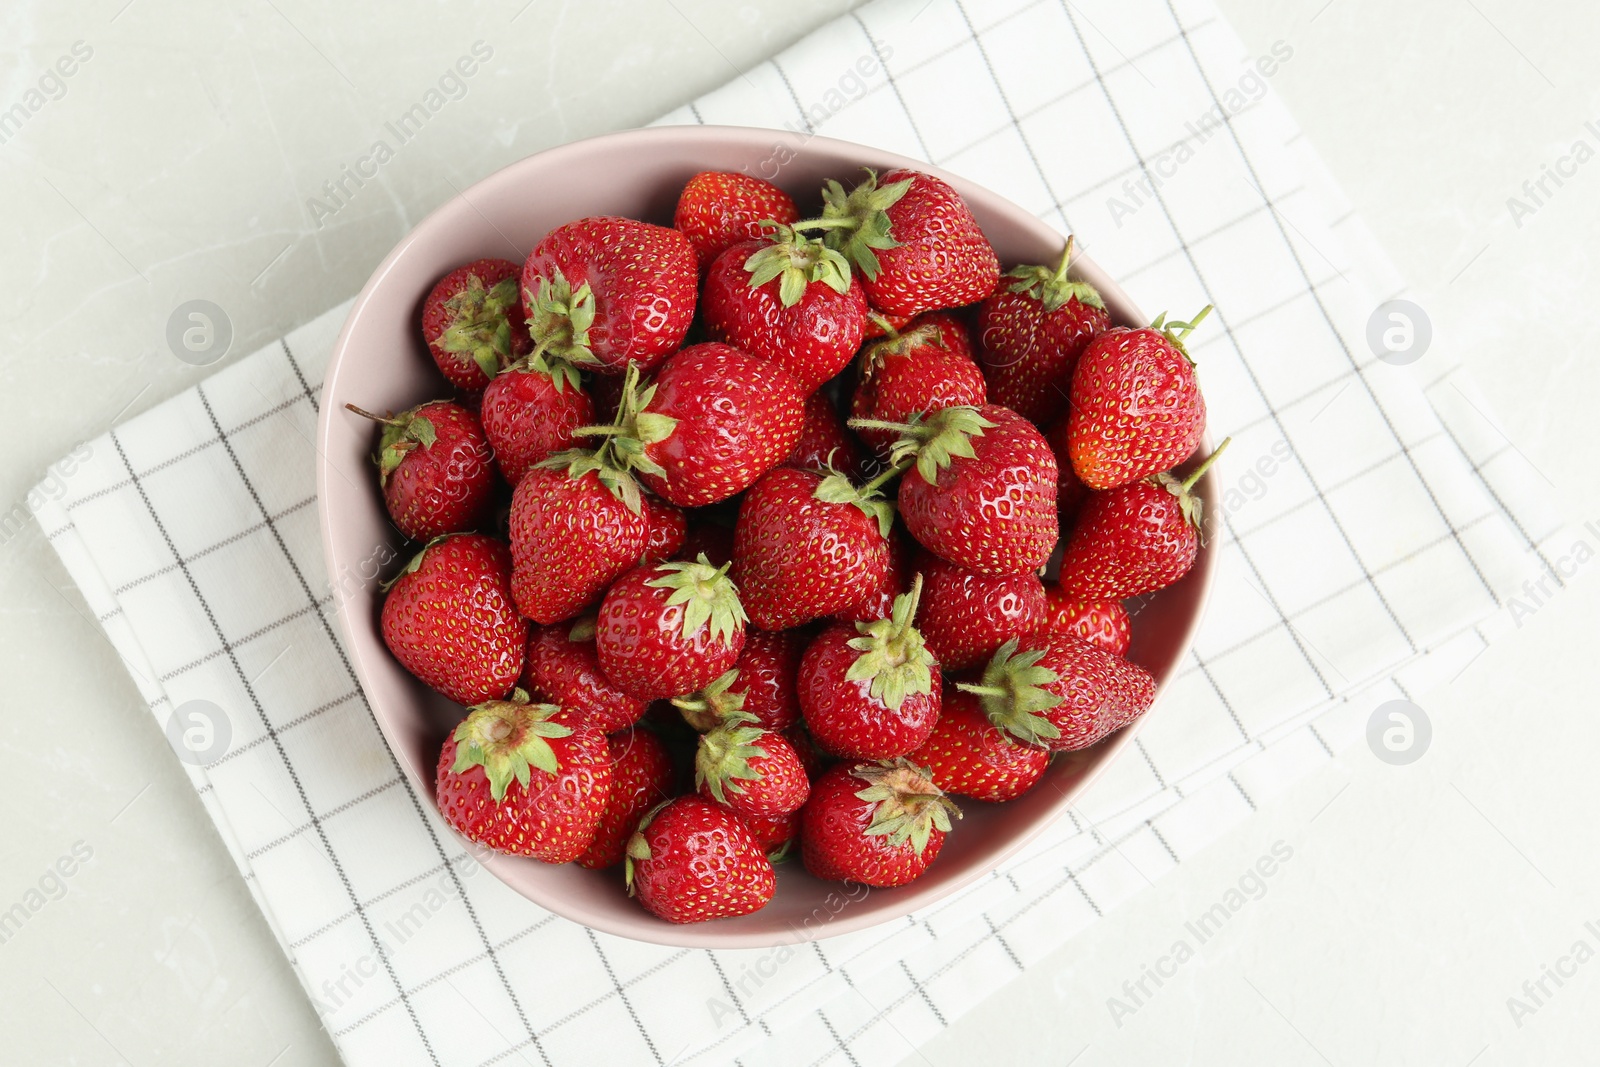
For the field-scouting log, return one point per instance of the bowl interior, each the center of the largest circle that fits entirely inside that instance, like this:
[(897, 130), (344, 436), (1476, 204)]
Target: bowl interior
[(379, 362)]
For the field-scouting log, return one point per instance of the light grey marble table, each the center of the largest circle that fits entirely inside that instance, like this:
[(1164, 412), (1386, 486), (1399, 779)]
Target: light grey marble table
[(176, 161)]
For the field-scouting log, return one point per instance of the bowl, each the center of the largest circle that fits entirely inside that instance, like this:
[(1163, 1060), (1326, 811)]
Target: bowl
[(380, 362)]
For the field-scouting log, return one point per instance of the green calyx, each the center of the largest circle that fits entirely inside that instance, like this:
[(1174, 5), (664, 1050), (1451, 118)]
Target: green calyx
[(908, 806), (835, 488), (932, 441), (712, 705), (1177, 332), (722, 760), (708, 595), (402, 434), (1051, 286), (622, 450), (479, 324), (508, 738), (1013, 694), (559, 318), (895, 343), (894, 660), (796, 261), (638, 848), (857, 223), (1189, 502)]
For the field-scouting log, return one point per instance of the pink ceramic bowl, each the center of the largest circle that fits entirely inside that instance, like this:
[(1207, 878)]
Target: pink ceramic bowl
[(380, 362)]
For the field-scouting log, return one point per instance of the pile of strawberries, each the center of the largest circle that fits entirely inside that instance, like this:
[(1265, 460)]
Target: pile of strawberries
[(781, 491)]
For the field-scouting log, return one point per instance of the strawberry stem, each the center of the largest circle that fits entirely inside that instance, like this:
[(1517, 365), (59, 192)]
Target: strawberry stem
[(1066, 258), (1199, 472), (365, 414), (983, 690), (889, 332), (887, 475), (844, 222)]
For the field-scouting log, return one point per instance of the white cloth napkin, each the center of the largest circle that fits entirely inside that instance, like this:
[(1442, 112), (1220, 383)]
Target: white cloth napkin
[(1374, 522)]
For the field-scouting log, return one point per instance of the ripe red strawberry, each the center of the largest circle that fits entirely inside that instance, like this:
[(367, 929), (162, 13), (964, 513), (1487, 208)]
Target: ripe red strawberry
[(879, 602), (667, 629), (969, 756), (668, 527), (807, 546), (1059, 692), (924, 369), (528, 779), (1031, 331), (774, 833), (789, 300), (1135, 538), (532, 410), (604, 292), (473, 324), (692, 860), (1103, 623), (761, 684), (966, 616), (641, 778), (1136, 408), (1070, 490), (879, 824), (713, 421), (981, 491), (825, 443), (720, 208), (914, 240), (573, 532), (448, 618), (870, 690), (754, 772), (436, 469), (564, 668)]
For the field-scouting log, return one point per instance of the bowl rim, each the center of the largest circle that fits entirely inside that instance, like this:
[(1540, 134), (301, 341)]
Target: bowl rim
[(707, 935)]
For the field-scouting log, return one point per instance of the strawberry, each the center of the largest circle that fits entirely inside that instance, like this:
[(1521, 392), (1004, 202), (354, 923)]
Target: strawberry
[(825, 443), (1031, 331), (761, 684), (718, 209), (473, 324), (713, 421), (812, 758), (668, 528), (879, 602), (669, 628), (641, 778), (807, 546), (914, 240), (692, 860), (1059, 692), (606, 292), (966, 616), (1070, 490), (789, 300), (869, 690), (532, 410), (1136, 408), (1103, 623), (564, 668), (528, 779), (879, 824), (923, 369), (752, 771), (436, 469), (981, 488), (449, 619), (773, 833), (1135, 538), (969, 756)]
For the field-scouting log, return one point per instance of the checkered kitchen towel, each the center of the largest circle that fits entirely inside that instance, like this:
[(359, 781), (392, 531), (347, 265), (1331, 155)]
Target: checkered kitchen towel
[(1373, 522)]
